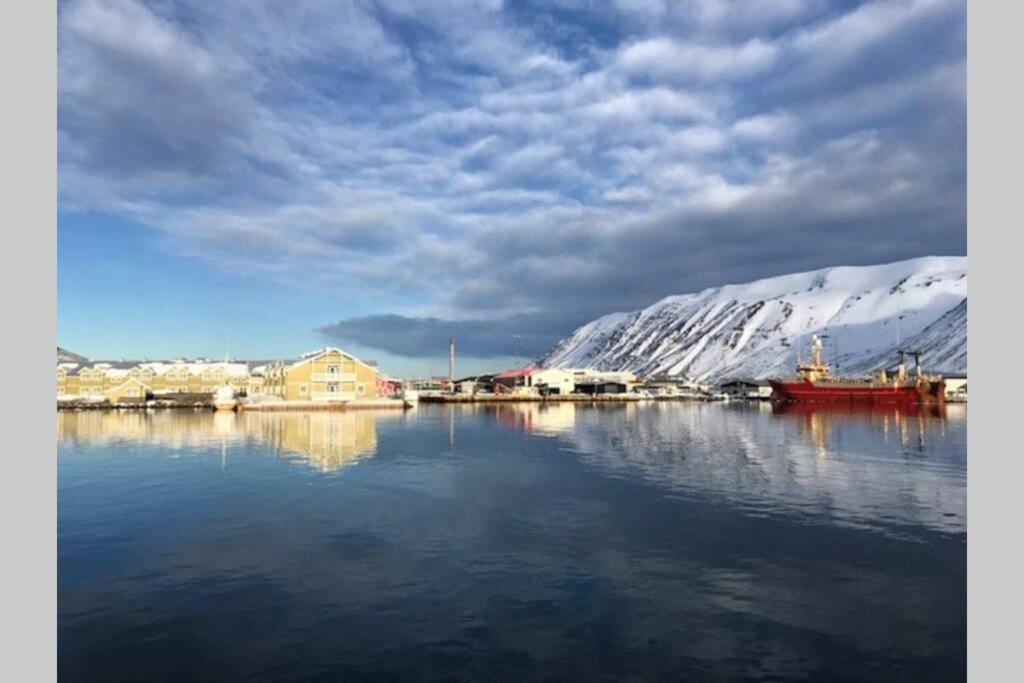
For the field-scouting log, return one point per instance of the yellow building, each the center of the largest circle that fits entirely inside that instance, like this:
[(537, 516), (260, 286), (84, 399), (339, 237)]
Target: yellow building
[(130, 389), (325, 375), (116, 380)]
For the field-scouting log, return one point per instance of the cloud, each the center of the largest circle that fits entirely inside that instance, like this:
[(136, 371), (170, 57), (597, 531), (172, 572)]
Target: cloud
[(523, 336), (765, 127), (530, 166), (138, 96), (670, 60)]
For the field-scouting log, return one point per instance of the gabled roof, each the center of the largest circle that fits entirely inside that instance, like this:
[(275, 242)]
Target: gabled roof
[(130, 380), (520, 372), (306, 357), (116, 364), (475, 378)]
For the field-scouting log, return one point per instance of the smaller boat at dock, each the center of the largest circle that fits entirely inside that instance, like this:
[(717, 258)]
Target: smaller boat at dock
[(224, 398)]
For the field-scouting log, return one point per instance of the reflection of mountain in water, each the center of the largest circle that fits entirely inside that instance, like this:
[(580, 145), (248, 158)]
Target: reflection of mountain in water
[(326, 440), (865, 469)]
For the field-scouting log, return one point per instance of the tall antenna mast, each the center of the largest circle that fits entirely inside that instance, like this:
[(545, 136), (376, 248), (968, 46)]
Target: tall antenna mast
[(451, 361)]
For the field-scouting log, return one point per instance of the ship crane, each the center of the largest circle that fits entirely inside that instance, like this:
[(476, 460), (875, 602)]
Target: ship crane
[(901, 365)]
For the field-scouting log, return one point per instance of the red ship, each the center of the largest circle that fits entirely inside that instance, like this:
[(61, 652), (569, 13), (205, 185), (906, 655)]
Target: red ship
[(814, 383)]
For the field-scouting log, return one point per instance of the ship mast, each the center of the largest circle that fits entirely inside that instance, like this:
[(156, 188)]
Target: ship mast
[(816, 349)]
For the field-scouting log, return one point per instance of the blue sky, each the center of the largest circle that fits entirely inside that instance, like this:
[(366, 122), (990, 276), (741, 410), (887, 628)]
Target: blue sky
[(258, 179)]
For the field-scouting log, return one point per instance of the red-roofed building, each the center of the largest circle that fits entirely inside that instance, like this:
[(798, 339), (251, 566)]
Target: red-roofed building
[(512, 380)]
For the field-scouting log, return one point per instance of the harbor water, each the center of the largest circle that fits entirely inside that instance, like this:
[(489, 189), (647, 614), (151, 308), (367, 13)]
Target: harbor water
[(524, 541)]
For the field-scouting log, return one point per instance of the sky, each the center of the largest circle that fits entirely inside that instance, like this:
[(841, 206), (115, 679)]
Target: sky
[(259, 179)]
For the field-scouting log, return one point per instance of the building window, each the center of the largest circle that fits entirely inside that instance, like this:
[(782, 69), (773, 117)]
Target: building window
[(332, 369), (332, 387), (361, 388), (302, 388)]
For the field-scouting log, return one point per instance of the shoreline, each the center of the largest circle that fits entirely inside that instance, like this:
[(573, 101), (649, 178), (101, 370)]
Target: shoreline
[(268, 406), (569, 398), (364, 404), (375, 404)]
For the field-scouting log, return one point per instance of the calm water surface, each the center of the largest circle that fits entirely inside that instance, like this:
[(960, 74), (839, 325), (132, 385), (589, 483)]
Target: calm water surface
[(667, 541)]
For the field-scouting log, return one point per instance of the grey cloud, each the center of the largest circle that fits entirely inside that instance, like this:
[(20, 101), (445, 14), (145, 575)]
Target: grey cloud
[(528, 336), (138, 96), (829, 207)]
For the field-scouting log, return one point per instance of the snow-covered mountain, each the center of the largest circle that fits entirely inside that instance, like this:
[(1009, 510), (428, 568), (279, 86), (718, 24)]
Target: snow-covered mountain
[(65, 356), (757, 329)]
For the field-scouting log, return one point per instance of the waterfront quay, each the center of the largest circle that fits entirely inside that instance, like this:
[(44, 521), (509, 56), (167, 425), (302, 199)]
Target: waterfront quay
[(530, 398)]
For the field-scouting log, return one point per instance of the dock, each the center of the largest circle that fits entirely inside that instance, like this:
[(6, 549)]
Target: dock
[(361, 404), (536, 398), (243, 405)]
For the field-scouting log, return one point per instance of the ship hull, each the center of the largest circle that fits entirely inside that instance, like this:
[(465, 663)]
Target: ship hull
[(805, 391)]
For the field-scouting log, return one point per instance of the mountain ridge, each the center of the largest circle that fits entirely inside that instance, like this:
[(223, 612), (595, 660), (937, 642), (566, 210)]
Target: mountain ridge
[(65, 356), (757, 329)]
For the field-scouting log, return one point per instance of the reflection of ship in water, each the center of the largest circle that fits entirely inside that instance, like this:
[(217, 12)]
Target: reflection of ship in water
[(326, 440), (911, 423)]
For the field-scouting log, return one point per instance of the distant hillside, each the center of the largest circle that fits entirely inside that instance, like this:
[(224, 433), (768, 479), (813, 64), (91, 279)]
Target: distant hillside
[(65, 356), (756, 329)]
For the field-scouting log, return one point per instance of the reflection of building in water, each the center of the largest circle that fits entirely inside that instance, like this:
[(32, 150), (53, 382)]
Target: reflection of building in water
[(172, 429), (328, 440), (538, 418)]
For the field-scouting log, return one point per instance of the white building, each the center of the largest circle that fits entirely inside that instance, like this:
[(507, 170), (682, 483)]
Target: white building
[(746, 388), (563, 381), (956, 387), (552, 381)]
